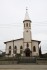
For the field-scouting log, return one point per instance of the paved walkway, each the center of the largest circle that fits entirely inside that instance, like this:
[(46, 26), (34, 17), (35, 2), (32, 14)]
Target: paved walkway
[(23, 67)]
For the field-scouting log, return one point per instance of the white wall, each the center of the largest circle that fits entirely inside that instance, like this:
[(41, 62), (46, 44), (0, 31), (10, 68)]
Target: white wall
[(35, 43), (7, 47), (19, 43)]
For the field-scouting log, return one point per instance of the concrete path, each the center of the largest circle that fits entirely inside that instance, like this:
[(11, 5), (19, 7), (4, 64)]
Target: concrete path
[(23, 67)]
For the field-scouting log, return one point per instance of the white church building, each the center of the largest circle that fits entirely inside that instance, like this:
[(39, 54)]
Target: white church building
[(24, 46)]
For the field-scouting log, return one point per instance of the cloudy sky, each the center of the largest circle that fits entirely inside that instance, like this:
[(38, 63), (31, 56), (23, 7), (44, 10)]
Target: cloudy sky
[(12, 13)]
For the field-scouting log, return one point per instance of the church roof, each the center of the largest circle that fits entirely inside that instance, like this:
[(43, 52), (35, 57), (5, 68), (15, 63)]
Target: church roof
[(21, 39), (27, 16)]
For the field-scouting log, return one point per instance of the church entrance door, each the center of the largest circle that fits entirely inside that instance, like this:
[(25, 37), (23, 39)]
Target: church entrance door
[(27, 52)]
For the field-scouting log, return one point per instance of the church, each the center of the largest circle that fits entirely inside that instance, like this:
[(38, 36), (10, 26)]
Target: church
[(24, 46)]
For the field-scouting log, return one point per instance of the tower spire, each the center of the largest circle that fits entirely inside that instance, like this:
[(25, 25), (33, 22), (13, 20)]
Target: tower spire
[(26, 9), (26, 15)]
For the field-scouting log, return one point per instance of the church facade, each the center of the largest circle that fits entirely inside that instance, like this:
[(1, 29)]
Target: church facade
[(24, 46)]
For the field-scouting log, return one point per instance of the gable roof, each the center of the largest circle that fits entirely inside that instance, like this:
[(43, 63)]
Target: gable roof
[(20, 39)]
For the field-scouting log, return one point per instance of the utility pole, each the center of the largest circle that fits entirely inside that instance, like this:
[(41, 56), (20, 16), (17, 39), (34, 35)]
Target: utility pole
[(13, 47)]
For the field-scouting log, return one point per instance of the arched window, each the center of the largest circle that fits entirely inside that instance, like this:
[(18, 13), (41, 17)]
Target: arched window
[(15, 47), (27, 45), (21, 47), (34, 49), (9, 47), (27, 24), (9, 52)]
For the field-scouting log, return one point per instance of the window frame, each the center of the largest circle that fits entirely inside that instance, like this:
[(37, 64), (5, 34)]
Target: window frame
[(26, 24), (9, 52), (34, 49), (9, 47)]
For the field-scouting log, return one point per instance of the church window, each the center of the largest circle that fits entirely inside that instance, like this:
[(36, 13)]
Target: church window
[(27, 45), (9, 47), (27, 24), (21, 47), (34, 48), (9, 52), (15, 47)]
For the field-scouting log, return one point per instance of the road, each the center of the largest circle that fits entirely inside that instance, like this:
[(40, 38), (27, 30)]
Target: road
[(23, 67)]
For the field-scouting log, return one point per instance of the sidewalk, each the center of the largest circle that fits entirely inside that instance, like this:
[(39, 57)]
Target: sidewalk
[(23, 67)]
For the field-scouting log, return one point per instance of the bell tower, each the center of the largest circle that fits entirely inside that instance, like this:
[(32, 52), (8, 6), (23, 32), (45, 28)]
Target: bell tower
[(27, 31)]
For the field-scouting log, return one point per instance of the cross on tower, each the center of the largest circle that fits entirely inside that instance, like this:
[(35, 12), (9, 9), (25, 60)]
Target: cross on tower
[(26, 9)]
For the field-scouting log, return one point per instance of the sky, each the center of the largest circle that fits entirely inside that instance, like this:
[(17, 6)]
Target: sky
[(12, 13)]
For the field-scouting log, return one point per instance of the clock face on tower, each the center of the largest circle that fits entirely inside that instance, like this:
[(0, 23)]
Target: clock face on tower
[(27, 31)]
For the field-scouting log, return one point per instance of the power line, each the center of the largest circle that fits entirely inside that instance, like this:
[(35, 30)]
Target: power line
[(22, 25)]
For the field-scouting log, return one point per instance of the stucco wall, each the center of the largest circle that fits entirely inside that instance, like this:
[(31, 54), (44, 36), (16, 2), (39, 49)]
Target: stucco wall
[(19, 43), (35, 43), (7, 48), (27, 35)]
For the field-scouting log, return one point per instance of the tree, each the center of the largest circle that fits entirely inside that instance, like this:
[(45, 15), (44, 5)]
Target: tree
[(40, 53)]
